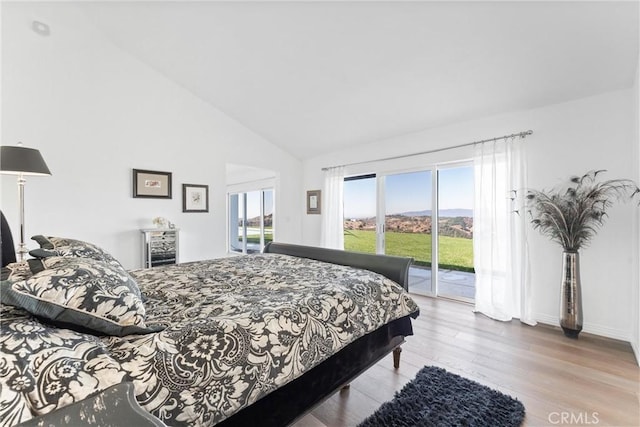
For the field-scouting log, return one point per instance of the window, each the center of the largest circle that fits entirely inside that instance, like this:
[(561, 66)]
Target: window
[(360, 214), (250, 220)]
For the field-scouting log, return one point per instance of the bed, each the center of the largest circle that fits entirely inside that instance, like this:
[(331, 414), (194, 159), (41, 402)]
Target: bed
[(248, 340)]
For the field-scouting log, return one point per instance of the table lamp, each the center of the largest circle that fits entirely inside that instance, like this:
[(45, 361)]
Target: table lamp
[(22, 161)]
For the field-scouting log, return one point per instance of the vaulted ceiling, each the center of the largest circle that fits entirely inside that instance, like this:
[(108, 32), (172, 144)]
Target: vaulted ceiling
[(313, 77)]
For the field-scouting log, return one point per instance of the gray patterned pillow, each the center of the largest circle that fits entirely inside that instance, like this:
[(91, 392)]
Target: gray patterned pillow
[(58, 246), (83, 294), (52, 246)]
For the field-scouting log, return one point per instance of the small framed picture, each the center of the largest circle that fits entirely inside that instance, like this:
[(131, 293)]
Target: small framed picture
[(195, 198), (313, 201), (151, 184)]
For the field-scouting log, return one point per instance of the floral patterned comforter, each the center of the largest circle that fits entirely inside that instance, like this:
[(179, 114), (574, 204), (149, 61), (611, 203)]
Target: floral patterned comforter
[(236, 329)]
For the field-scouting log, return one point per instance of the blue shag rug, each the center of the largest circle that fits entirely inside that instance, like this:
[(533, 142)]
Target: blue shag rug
[(439, 398)]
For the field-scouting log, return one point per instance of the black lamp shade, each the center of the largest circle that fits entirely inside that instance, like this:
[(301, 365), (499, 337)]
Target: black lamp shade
[(18, 160)]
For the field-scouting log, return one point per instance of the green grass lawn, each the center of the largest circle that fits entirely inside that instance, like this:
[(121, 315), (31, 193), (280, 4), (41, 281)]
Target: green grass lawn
[(455, 253), (255, 237)]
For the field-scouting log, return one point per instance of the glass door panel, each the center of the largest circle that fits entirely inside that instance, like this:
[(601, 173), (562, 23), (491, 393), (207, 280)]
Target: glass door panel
[(236, 223), (407, 224), (254, 222), (360, 214), (456, 277), (267, 209)]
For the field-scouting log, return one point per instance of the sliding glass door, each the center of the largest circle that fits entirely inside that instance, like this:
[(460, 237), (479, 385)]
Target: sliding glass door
[(360, 213), (456, 278), (250, 220), (428, 215), (407, 223)]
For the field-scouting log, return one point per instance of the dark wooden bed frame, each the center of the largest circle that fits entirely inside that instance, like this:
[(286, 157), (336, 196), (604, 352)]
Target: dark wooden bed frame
[(293, 400)]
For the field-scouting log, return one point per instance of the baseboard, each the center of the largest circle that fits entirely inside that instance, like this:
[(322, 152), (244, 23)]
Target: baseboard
[(636, 351), (600, 330)]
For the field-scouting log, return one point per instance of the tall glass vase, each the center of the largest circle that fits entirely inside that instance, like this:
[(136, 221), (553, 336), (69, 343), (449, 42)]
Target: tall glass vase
[(571, 295)]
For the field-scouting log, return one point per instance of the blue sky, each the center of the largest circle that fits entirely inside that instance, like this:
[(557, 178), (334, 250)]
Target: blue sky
[(456, 188), (253, 203), (410, 192)]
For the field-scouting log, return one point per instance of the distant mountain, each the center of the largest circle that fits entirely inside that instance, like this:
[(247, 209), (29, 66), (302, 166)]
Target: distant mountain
[(255, 221), (444, 213), (458, 226), (416, 213)]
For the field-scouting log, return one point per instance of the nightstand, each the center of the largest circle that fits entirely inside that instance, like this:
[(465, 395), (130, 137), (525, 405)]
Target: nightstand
[(160, 246)]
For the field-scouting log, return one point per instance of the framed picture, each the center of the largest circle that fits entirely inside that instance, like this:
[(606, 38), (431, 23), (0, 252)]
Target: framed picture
[(195, 198), (313, 201), (151, 184)]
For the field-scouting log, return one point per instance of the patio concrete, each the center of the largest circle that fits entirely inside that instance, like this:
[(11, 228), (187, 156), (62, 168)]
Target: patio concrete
[(451, 283)]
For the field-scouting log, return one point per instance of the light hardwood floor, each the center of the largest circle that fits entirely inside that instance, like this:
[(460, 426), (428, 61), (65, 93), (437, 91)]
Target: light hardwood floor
[(590, 381)]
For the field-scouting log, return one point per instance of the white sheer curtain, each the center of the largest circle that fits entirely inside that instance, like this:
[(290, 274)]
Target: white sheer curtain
[(333, 210), (503, 289)]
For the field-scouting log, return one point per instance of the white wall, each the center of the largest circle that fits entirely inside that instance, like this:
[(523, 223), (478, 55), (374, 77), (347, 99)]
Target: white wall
[(95, 113), (569, 138)]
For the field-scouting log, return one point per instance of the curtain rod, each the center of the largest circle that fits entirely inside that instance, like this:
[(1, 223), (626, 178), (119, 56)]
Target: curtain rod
[(513, 135)]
